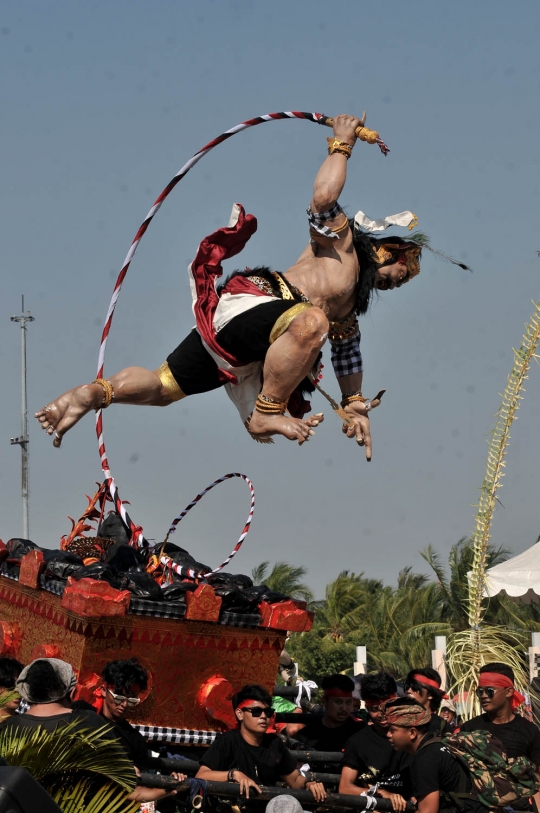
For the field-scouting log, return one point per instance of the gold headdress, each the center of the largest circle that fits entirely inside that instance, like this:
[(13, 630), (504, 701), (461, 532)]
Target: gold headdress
[(407, 252), (391, 249)]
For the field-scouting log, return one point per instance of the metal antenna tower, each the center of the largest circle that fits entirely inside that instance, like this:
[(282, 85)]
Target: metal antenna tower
[(23, 440)]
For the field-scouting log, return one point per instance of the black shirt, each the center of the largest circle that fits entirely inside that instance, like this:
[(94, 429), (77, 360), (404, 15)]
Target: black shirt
[(434, 769), (520, 737), (132, 742), (368, 750), (85, 719), (323, 738), (438, 725), (265, 763)]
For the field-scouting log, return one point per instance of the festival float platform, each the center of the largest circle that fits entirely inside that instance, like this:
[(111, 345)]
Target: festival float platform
[(198, 653)]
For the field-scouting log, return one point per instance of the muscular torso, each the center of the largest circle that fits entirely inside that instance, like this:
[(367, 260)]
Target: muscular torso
[(327, 274)]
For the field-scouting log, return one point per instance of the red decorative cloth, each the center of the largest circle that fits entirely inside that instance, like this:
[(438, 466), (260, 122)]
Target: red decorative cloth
[(206, 268), (498, 681)]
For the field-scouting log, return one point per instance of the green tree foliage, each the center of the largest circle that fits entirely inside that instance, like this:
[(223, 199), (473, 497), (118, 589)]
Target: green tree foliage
[(398, 624), (283, 578)]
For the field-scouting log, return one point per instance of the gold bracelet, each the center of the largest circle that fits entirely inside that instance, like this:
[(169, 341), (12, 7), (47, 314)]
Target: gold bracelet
[(108, 392), (350, 398), (269, 406), (335, 145)]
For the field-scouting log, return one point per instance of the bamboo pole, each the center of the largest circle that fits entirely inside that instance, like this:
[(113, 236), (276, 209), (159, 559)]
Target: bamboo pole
[(231, 790)]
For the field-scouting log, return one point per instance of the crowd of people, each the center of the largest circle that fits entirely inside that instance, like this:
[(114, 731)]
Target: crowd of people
[(405, 744)]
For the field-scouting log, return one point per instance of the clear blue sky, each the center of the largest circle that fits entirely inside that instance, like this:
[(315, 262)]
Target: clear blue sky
[(103, 102)]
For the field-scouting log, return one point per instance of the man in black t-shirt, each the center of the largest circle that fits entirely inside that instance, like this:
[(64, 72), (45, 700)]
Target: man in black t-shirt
[(434, 772), (336, 726), (124, 681), (424, 686), (499, 699), (369, 757), (249, 755)]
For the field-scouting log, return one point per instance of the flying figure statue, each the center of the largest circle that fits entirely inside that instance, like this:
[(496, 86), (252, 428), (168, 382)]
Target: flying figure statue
[(260, 333)]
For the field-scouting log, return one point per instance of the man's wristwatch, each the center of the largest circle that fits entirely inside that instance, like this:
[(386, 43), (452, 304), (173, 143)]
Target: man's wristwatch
[(230, 775)]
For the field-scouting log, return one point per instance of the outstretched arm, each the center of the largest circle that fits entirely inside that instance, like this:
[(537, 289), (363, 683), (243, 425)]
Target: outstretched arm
[(331, 176)]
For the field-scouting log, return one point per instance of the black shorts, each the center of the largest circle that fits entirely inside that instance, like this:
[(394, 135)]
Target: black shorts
[(246, 337)]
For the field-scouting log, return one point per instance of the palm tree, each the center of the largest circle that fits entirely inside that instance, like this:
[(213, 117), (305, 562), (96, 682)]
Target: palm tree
[(400, 624), (454, 587), (283, 578), (346, 598)]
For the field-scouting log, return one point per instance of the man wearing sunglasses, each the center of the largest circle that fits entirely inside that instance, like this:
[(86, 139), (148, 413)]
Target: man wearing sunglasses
[(124, 681), (499, 700), (424, 686), (249, 755)]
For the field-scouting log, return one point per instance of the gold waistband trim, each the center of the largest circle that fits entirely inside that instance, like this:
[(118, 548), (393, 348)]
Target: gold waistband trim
[(169, 382), (283, 322)]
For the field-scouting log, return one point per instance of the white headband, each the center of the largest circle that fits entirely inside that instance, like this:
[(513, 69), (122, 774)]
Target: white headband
[(407, 219)]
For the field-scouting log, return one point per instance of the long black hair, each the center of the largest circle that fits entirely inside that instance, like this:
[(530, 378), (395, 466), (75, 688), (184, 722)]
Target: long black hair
[(367, 261)]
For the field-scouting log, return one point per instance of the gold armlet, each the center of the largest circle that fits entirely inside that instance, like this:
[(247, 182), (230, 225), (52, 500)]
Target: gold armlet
[(269, 406), (108, 392), (351, 397), (335, 145), (338, 229)]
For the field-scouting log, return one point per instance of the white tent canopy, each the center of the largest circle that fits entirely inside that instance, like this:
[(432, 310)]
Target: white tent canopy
[(518, 577)]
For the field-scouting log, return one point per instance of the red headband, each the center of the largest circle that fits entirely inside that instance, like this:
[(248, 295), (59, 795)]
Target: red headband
[(245, 703), (336, 693), (499, 681), (428, 682)]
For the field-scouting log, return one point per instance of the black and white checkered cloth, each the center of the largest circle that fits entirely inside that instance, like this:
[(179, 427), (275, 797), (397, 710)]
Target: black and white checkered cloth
[(177, 735), (4, 571), (156, 609), (170, 609), (52, 585), (317, 220), (346, 356), (240, 619)]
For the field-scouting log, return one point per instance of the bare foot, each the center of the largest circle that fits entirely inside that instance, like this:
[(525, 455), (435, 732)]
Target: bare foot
[(67, 410), (291, 428)]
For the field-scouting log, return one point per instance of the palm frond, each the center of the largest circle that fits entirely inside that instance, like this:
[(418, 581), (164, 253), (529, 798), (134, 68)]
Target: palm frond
[(81, 794), (283, 578), (7, 696), (68, 749), (435, 562), (258, 574)]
